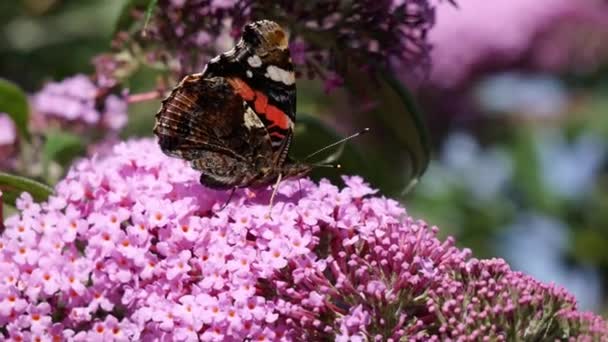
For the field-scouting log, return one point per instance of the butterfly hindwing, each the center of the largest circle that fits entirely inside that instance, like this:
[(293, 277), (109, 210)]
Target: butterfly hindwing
[(205, 113)]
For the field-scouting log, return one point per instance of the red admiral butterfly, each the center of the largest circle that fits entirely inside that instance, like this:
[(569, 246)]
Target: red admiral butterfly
[(234, 121)]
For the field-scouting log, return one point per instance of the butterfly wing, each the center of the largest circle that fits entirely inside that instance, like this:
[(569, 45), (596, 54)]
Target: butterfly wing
[(206, 122)]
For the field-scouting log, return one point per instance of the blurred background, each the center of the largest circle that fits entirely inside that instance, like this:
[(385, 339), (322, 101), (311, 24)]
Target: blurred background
[(513, 94)]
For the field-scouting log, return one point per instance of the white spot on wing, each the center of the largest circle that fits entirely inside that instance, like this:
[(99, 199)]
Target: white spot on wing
[(279, 75), (249, 73), (251, 119), (254, 61)]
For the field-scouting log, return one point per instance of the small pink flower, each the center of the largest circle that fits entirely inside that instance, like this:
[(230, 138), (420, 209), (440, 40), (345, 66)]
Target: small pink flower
[(80, 314), (242, 288), (298, 244), (189, 229), (99, 299), (255, 308), (158, 212), (47, 277), (178, 265), (11, 302), (214, 334), (74, 282), (26, 231), (276, 255), (25, 203), (39, 317), (72, 225), (118, 269), (186, 333), (357, 187), (129, 247), (23, 254)]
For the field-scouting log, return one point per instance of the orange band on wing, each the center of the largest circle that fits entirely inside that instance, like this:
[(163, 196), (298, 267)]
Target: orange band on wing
[(277, 117), (273, 114), (261, 102), (242, 88)]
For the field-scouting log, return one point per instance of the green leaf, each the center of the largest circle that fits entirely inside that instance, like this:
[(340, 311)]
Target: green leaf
[(404, 137), (404, 153), (12, 186), (412, 132), (13, 101), (62, 147)]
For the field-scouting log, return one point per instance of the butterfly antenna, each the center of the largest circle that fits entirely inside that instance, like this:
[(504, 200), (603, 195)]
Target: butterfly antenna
[(331, 166), (341, 141)]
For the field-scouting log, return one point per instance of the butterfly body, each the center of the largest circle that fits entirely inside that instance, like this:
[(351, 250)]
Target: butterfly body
[(234, 121)]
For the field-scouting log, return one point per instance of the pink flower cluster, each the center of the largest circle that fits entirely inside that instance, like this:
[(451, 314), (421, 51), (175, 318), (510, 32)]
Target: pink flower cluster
[(78, 101), (132, 247)]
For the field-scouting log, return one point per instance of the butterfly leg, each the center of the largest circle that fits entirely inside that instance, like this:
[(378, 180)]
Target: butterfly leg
[(274, 192), (300, 189), (229, 199)]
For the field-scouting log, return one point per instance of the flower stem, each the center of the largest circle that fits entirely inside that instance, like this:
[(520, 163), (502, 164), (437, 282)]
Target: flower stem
[(147, 96)]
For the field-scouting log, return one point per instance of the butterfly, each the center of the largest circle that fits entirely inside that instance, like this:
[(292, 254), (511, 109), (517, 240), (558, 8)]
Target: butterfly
[(234, 122)]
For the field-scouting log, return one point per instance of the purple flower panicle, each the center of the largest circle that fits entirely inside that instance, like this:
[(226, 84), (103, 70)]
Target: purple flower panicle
[(372, 33), (132, 247), (79, 102)]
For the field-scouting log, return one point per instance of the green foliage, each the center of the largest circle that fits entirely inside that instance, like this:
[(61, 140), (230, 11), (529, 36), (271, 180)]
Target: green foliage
[(405, 151), (13, 101), (379, 100), (54, 42), (12, 186), (61, 147), (125, 20)]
